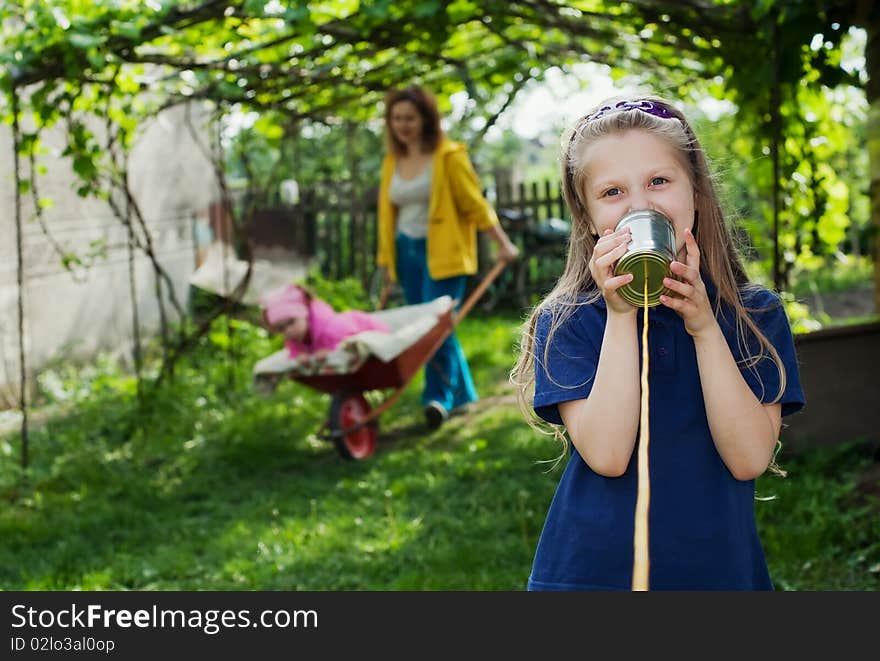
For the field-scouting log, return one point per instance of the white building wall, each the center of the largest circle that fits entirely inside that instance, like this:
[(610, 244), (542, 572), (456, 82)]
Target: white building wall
[(73, 316)]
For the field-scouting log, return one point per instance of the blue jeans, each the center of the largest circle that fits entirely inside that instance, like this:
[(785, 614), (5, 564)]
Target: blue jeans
[(447, 375)]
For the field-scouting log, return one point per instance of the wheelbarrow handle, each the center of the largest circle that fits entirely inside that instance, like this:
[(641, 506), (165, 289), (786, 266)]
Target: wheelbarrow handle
[(387, 287), (383, 297), (479, 290), (496, 270)]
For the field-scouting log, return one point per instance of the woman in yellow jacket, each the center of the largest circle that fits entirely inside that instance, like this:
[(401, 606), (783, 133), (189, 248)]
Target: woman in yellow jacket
[(430, 209)]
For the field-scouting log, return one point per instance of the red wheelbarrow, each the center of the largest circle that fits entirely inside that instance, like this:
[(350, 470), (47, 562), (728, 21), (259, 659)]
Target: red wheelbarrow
[(373, 361)]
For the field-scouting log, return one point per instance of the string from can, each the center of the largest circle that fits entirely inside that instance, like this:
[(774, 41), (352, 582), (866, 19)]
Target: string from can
[(641, 560)]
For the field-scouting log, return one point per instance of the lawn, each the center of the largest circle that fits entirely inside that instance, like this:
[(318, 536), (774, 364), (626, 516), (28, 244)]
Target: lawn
[(218, 488)]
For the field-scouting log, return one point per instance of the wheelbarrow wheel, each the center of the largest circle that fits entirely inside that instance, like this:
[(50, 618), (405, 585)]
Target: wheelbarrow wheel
[(346, 410)]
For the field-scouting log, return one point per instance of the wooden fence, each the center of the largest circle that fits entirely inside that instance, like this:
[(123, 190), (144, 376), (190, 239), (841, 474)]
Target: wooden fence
[(337, 226), (541, 199)]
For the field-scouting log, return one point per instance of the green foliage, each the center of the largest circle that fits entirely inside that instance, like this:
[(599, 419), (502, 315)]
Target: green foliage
[(328, 160), (344, 294), (212, 486), (838, 273), (780, 84), (829, 276), (800, 317), (316, 74)]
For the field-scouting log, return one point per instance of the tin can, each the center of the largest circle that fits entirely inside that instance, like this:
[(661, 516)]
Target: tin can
[(649, 255)]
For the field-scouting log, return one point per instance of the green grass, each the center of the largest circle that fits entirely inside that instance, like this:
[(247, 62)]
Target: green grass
[(820, 531), (220, 488)]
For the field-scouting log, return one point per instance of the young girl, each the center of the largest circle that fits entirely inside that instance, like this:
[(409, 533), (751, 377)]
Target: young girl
[(722, 371), (310, 325)]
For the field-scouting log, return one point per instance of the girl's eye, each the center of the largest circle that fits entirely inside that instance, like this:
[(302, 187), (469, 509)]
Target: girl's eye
[(659, 181), (611, 192)]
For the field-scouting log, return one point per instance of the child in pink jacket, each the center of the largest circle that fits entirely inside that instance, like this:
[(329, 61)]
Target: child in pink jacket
[(310, 325)]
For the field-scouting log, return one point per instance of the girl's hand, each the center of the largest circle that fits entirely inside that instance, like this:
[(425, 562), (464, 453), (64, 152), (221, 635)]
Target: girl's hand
[(609, 248), (691, 302)]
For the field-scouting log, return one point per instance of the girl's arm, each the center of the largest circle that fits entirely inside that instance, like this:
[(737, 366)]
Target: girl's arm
[(603, 427), (744, 429)]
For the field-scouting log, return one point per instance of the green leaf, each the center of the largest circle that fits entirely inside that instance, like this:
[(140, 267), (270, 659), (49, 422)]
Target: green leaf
[(85, 167), (378, 9), (220, 340), (298, 13), (128, 29), (84, 41), (427, 8), (70, 259), (96, 58), (268, 127), (254, 7)]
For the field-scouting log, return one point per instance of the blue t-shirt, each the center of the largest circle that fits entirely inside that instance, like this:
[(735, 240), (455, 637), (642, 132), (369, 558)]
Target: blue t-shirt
[(701, 522)]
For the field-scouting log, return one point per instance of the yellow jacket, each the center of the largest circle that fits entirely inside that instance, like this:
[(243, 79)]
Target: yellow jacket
[(457, 209)]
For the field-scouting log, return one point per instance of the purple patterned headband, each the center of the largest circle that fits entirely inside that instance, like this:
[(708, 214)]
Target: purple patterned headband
[(650, 107)]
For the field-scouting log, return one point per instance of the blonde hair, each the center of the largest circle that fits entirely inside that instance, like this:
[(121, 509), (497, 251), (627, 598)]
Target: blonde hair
[(718, 254)]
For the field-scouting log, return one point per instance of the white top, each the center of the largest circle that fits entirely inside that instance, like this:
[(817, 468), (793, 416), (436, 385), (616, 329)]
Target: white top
[(412, 196)]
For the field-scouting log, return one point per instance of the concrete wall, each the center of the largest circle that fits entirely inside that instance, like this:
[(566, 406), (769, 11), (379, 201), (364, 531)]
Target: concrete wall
[(74, 315), (840, 374)]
